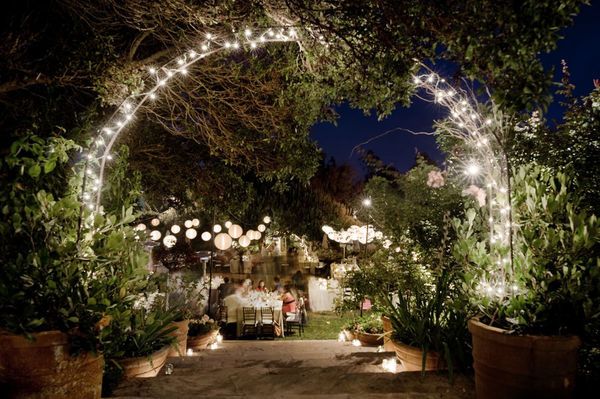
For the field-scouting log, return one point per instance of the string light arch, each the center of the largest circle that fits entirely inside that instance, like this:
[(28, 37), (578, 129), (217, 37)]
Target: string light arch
[(484, 164)]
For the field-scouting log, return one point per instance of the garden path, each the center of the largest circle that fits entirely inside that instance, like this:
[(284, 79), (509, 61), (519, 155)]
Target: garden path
[(291, 370)]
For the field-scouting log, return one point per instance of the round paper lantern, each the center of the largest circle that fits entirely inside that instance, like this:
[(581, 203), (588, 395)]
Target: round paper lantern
[(188, 224), (250, 234), (140, 227), (257, 235), (169, 241), (206, 236), (195, 222), (267, 219), (191, 233), (261, 227), (228, 224), (217, 228), (244, 241), (235, 231), (223, 241), (155, 235), (175, 229), (155, 222)]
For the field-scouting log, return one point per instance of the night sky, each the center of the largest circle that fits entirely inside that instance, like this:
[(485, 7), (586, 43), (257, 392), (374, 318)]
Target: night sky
[(580, 48)]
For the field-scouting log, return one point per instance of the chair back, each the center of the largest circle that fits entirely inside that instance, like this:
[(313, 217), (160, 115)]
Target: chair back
[(223, 314), (249, 315), (267, 315)]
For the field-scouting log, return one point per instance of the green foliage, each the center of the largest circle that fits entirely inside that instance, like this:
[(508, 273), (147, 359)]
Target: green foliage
[(202, 325), (123, 187), (54, 277), (370, 324)]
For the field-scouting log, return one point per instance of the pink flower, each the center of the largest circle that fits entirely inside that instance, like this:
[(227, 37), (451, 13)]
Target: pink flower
[(476, 192), (435, 179)]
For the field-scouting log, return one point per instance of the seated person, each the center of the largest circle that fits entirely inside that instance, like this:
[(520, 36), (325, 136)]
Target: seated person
[(289, 302), (261, 287)]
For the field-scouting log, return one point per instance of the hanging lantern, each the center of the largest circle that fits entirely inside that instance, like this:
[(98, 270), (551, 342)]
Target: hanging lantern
[(169, 241), (155, 235), (267, 219), (257, 235), (155, 222), (175, 229), (250, 234), (244, 241), (188, 224), (235, 231), (223, 241), (140, 227), (228, 224), (206, 236), (217, 228), (195, 222), (191, 233), (261, 227)]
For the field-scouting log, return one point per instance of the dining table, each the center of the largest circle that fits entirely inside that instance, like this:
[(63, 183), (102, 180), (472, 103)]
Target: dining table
[(258, 306)]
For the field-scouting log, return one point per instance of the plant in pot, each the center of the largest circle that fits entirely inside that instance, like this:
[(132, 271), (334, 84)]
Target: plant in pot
[(138, 340), (202, 332), (59, 281), (525, 342), (369, 329)]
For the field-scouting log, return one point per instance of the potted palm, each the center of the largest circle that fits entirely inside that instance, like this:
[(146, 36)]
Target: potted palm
[(526, 338), (58, 282)]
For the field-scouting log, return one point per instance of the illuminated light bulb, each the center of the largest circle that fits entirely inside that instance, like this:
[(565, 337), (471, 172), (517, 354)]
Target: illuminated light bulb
[(461, 124), (209, 36), (152, 70), (95, 188), (91, 207), (463, 109), (120, 123), (109, 157), (515, 287), (416, 80), (86, 196), (204, 47), (507, 225), (489, 289), (488, 121), (206, 236), (367, 202), (293, 32), (252, 44), (236, 45), (227, 44), (271, 33), (170, 73), (472, 170), (99, 141), (152, 96), (506, 260), (463, 102), (247, 32), (500, 290), (107, 131), (155, 222), (183, 71), (180, 61), (128, 117), (397, 249), (228, 224), (430, 78), (175, 229), (188, 224), (321, 37), (191, 233), (503, 190), (190, 352), (195, 222), (450, 93), (89, 172), (389, 365), (267, 219), (356, 342), (491, 219), (219, 338), (454, 114), (217, 228), (192, 53), (127, 106), (473, 116), (261, 228)]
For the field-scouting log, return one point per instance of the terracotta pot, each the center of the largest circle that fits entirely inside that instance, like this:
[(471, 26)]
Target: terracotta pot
[(144, 366), (387, 330), (522, 366), (411, 358), (180, 346), (200, 342), (367, 339), (349, 335), (43, 368)]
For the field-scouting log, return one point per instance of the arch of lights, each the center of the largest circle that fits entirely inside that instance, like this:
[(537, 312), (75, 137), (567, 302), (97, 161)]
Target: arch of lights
[(483, 165)]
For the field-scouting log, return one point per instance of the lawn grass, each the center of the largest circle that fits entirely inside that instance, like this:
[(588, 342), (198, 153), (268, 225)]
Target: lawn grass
[(322, 325)]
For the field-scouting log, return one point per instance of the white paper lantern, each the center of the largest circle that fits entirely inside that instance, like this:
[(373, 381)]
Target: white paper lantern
[(140, 227), (169, 241), (206, 236), (155, 235), (155, 222), (188, 224), (257, 235), (235, 231), (250, 234), (261, 227), (195, 222), (244, 241), (191, 233), (223, 241), (217, 228), (267, 219), (175, 229), (228, 224)]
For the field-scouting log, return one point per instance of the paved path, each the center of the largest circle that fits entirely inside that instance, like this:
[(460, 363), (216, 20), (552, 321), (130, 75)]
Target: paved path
[(291, 370)]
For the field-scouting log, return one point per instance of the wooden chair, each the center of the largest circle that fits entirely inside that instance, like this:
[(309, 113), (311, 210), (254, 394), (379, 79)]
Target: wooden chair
[(249, 325), (267, 320), (222, 315)]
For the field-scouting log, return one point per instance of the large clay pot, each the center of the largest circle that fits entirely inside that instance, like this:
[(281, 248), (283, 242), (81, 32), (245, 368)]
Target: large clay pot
[(411, 358), (44, 368), (367, 339), (200, 342), (387, 331), (180, 345), (144, 366), (522, 366)]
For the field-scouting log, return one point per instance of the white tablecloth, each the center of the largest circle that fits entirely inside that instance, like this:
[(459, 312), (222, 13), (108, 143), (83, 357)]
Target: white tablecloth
[(277, 316)]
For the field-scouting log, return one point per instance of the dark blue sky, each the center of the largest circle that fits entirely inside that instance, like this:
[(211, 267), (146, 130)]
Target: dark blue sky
[(580, 48)]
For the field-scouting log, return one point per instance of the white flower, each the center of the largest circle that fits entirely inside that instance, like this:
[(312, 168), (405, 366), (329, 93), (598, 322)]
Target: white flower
[(476, 192), (435, 179)]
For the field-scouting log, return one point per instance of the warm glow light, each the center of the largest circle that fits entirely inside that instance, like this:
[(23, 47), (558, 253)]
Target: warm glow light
[(155, 222), (223, 241), (472, 169), (261, 227), (155, 235), (213, 346), (217, 228), (356, 342), (206, 236), (228, 224), (188, 224), (390, 365), (190, 352), (244, 241), (169, 241), (367, 202), (341, 337), (235, 231), (191, 233), (140, 227), (175, 229), (195, 222), (267, 219), (219, 338)]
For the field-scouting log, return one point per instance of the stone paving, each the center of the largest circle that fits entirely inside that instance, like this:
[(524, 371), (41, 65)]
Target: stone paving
[(291, 370)]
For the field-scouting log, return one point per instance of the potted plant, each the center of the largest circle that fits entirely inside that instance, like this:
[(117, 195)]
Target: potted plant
[(369, 330), (349, 329), (526, 339), (63, 269), (202, 332)]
